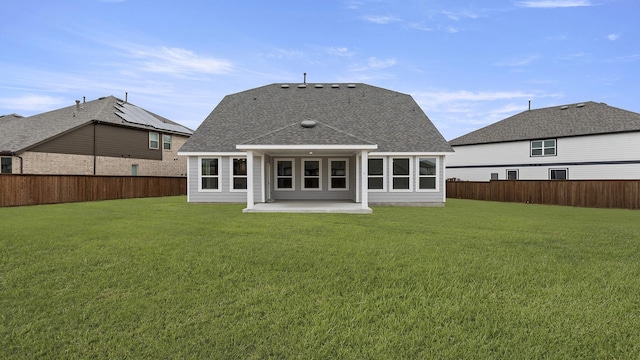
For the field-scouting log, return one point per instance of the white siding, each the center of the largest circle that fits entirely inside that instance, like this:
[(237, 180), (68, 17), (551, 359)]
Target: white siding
[(585, 158)]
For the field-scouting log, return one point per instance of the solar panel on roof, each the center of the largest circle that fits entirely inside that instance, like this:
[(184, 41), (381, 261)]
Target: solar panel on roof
[(135, 115)]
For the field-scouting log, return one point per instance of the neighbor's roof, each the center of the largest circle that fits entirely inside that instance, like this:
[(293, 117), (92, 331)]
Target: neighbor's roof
[(345, 114), (588, 118), (19, 134)]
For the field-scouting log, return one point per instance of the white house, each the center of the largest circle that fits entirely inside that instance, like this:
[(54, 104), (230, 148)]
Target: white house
[(342, 142), (584, 141)]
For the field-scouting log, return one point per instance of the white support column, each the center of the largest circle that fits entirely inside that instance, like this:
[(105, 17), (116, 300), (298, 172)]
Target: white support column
[(358, 181), (364, 163), (249, 180)]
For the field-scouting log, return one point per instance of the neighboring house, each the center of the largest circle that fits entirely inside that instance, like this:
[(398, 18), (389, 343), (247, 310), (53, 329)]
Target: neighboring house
[(578, 141), (107, 136), (342, 142)]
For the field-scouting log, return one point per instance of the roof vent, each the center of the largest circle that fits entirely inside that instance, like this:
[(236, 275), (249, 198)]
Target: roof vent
[(351, 86), (564, 107), (284, 86), (302, 86), (335, 86), (580, 105), (318, 86), (308, 123)]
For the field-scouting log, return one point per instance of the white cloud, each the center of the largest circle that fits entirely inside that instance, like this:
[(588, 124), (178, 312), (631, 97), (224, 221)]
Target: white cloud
[(452, 30), (555, 3), (375, 63), (420, 26), (613, 37), (340, 51), (459, 15), (33, 103), (178, 61), (381, 19)]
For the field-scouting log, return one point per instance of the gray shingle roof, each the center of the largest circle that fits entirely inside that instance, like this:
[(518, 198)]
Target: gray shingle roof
[(588, 118), (20, 134), (346, 114)]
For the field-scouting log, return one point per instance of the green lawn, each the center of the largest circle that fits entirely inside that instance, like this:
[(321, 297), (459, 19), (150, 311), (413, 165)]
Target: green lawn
[(160, 278)]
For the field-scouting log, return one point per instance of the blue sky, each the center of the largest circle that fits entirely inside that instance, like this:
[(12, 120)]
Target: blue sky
[(467, 63)]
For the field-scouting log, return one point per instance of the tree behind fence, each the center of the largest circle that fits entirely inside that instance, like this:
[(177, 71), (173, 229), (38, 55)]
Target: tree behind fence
[(18, 190), (623, 194)]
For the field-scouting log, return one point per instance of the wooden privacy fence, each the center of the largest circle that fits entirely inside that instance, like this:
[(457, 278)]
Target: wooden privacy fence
[(623, 194), (18, 190)]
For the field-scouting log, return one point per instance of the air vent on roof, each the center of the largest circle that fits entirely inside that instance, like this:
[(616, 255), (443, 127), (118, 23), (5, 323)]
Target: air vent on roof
[(302, 86), (351, 86), (580, 105), (318, 86), (284, 86), (308, 123), (335, 86), (564, 107)]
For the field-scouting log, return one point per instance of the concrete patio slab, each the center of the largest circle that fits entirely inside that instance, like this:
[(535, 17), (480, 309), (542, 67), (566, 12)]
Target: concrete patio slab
[(311, 206)]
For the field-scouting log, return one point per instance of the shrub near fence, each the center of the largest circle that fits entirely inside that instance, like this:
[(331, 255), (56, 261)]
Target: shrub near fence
[(623, 194), (18, 190)]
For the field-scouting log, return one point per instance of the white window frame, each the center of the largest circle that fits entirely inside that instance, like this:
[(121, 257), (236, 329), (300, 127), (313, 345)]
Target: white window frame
[(218, 176), (303, 176), (346, 174), (165, 142), (232, 175), (392, 176), (566, 171), (513, 170), (383, 176), (419, 176), (293, 173), (157, 140), (543, 147)]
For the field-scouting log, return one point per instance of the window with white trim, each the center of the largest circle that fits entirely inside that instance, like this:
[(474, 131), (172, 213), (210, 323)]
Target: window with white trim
[(376, 179), (311, 174), (210, 174), (401, 174), (238, 174), (512, 174), (6, 165), (166, 141), (285, 169), (543, 147), (558, 174), (154, 140), (427, 173), (338, 174)]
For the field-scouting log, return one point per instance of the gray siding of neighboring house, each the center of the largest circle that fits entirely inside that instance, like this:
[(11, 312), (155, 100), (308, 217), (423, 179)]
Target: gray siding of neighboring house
[(112, 141)]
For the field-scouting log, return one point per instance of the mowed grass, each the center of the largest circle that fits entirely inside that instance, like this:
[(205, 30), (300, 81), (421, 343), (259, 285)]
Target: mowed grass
[(160, 278)]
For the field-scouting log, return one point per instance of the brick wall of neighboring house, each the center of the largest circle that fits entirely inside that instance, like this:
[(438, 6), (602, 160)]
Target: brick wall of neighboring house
[(67, 164)]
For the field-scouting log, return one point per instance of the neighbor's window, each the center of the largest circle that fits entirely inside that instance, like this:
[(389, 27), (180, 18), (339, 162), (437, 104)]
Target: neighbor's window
[(543, 147), (166, 142), (375, 174), (311, 174), (494, 176), (401, 174), (284, 174), (134, 169), (338, 174), (558, 174), (239, 174), (209, 174), (154, 140), (5, 165), (427, 175), (512, 174)]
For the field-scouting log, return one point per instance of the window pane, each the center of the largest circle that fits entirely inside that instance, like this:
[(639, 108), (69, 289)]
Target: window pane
[(5, 165), (209, 166), (339, 183), (338, 168), (558, 174), (166, 140), (154, 140), (536, 144), (239, 166), (400, 167), (549, 143), (550, 151), (285, 183), (285, 168), (536, 152), (427, 183), (401, 183), (376, 183), (239, 183), (376, 167), (427, 166), (312, 183), (209, 183), (512, 175), (312, 168)]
